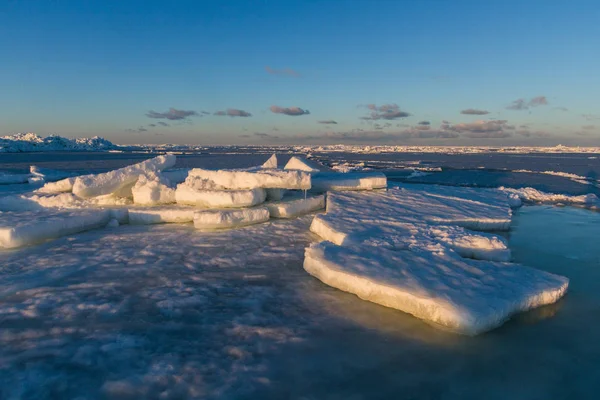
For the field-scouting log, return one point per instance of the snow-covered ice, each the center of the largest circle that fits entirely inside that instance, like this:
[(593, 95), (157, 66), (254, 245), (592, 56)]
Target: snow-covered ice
[(28, 142), (325, 181), (24, 228), (120, 180), (271, 163), (295, 206), (219, 198), (227, 219), (61, 186), (302, 164), (463, 296), (532, 195), (262, 178)]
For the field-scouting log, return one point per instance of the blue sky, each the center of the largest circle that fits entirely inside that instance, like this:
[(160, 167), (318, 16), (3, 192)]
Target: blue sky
[(521, 72)]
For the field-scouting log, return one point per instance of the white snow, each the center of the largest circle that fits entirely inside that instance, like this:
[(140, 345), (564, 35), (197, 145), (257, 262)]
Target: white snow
[(225, 219), (302, 164), (160, 215), (294, 207), (263, 178), (153, 189), (326, 181), (24, 228), (462, 296), (120, 180), (218, 198)]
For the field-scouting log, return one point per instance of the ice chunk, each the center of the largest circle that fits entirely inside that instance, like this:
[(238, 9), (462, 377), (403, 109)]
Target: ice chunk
[(535, 196), (161, 215), (294, 207), (302, 164), (325, 181), (152, 190), (263, 178), (463, 296), (223, 219), (218, 198), (23, 228), (121, 180), (271, 163), (478, 209), (355, 231), (61, 186)]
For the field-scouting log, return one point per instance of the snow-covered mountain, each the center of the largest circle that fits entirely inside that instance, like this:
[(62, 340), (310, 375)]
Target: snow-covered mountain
[(26, 142)]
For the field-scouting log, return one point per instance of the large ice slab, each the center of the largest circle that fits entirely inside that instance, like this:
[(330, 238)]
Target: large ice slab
[(302, 164), (354, 231), (120, 180), (161, 215), (294, 207), (462, 296), (326, 181), (24, 228), (219, 198), (477, 209), (260, 178), (226, 219)]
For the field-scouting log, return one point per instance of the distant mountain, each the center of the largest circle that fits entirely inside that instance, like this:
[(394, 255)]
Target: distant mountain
[(27, 142)]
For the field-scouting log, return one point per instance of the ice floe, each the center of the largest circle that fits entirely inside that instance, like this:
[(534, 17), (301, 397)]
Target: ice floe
[(462, 296), (219, 198), (263, 178)]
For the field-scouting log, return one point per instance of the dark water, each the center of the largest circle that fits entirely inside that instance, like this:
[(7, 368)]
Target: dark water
[(369, 352)]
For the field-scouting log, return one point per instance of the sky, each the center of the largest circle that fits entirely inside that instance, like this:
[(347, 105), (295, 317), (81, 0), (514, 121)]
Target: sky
[(419, 72)]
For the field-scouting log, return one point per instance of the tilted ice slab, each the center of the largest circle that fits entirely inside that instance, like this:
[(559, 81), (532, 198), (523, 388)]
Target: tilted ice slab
[(302, 164), (535, 196), (161, 215), (294, 207), (477, 209), (271, 162), (356, 231), (261, 178), (326, 181), (226, 219), (61, 186), (219, 198), (120, 180), (463, 296), (24, 228)]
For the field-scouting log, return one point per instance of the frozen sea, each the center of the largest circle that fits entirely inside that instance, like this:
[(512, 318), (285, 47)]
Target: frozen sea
[(170, 312)]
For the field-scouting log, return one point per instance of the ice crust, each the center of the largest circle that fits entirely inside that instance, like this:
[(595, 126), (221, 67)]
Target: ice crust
[(120, 180), (326, 181), (262, 178), (225, 219), (463, 296)]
